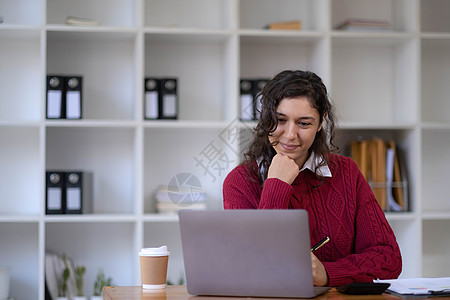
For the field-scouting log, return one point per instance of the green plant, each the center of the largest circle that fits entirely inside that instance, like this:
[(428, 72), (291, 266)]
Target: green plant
[(80, 270), (100, 282), (180, 281), (62, 282)]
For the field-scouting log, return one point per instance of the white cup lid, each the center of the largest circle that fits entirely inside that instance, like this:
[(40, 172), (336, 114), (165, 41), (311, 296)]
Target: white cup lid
[(157, 251)]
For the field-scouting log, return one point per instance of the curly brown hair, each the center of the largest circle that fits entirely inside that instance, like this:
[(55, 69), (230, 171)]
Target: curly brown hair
[(290, 84)]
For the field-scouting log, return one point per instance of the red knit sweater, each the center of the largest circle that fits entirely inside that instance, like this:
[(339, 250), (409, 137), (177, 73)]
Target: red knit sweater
[(362, 246)]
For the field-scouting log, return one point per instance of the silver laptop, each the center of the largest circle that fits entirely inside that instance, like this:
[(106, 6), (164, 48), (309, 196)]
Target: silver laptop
[(251, 253)]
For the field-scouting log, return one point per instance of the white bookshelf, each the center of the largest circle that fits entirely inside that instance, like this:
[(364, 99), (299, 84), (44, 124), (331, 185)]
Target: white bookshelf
[(390, 84)]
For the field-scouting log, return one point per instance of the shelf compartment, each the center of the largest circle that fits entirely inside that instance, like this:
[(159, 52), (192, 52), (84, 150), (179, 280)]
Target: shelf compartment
[(257, 14), (407, 154), (21, 12), (20, 75), (399, 13), (203, 14), (265, 56), (382, 87), (120, 13), (19, 251), (209, 57), (107, 62), (206, 154), (20, 179), (155, 235), (435, 145), (434, 16), (435, 245), (110, 246), (435, 88), (109, 153)]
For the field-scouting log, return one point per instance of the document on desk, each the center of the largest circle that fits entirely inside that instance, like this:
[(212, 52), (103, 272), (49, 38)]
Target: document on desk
[(419, 286)]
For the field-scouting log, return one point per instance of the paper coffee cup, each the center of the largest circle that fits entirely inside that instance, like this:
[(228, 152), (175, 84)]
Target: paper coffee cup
[(154, 267)]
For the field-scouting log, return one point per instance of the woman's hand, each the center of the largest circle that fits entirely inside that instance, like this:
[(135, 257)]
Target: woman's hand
[(283, 168), (320, 276)]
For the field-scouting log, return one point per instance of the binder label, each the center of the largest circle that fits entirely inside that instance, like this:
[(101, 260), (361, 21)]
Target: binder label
[(170, 105), (73, 198), (54, 104), (151, 105), (246, 107), (73, 105), (54, 200)]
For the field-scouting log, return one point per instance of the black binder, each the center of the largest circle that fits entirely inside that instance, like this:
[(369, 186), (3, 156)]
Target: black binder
[(247, 103), (73, 97), (168, 99), (151, 98), (250, 98), (55, 202), (55, 97), (78, 187)]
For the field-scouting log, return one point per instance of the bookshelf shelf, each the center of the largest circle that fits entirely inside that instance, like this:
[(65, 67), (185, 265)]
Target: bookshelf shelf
[(390, 84), (401, 216), (91, 218), (436, 216)]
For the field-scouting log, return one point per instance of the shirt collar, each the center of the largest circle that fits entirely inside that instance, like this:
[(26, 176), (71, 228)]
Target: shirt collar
[(313, 161)]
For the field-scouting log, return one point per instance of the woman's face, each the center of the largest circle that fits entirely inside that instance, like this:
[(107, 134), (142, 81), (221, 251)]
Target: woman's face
[(298, 123)]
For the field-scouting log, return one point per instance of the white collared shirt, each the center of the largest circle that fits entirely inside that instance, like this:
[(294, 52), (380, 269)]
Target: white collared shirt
[(314, 161)]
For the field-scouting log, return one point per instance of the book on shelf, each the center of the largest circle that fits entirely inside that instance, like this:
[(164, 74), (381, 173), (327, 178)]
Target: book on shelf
[(355, 24), (379, 163), (169, 199), (76, 21), (288, 25)]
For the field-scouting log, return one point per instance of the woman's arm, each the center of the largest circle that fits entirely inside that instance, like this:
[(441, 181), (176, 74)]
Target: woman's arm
[(375, 251)]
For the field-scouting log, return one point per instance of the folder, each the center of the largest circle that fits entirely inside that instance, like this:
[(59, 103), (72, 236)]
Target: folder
[(378, 167), (247, 105), (151, 101), (397, 189), (55, 193), (360, 152), (73, 90), (78, 189), (168, 99), (55, 97)]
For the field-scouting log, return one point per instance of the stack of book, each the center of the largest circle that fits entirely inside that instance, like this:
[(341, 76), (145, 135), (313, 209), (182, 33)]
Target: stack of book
[(379, 163), (169, 200), (363, 25), (288, 25)]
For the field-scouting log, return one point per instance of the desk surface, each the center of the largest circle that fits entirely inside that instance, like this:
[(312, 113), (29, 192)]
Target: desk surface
[(180, 293)]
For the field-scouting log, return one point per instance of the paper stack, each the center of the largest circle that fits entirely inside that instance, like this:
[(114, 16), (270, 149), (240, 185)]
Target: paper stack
[(169, 200), (419, 287)]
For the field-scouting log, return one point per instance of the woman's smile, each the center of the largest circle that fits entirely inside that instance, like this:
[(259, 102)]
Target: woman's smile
[(289, 147)]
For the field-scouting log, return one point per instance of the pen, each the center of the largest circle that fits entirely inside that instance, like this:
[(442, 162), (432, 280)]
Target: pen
[(320, 244)]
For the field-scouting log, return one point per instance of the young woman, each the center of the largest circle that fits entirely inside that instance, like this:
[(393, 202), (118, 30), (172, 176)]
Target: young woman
[(289, 165)]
